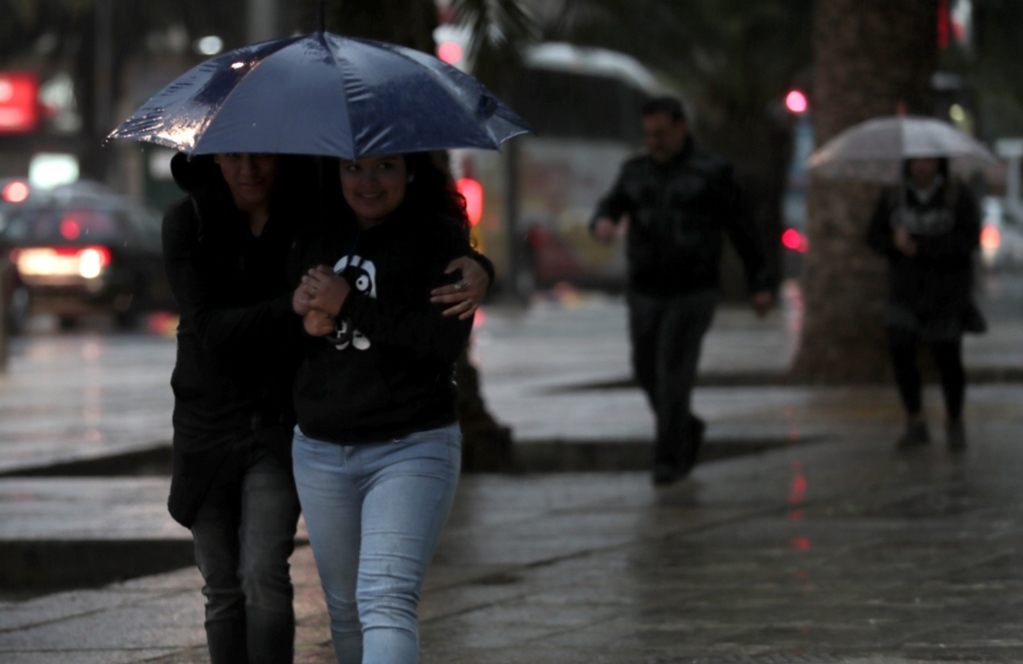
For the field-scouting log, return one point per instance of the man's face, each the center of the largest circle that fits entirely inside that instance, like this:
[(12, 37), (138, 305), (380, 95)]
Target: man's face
[(664, 135), (250, 177)]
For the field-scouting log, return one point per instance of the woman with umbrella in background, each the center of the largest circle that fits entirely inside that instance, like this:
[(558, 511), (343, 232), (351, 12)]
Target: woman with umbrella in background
[(927, 224), (929, 228), (377, 450), (225, 249)]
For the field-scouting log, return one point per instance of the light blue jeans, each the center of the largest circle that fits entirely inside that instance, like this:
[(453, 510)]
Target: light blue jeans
[(374, 513)]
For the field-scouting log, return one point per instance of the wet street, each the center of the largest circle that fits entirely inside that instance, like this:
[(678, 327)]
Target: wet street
[(803, 536)]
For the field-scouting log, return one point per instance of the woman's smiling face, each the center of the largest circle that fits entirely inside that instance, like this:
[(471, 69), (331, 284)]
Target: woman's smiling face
[(374, 187)]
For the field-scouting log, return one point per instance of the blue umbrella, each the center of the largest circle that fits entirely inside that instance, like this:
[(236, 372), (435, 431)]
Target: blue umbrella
[(323, 94)]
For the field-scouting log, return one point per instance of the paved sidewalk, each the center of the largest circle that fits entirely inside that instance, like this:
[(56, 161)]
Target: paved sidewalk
[(832, 548)]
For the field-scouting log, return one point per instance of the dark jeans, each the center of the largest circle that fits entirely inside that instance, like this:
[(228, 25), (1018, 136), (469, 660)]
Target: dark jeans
[(244, 534), (667, 334), (903, 346)]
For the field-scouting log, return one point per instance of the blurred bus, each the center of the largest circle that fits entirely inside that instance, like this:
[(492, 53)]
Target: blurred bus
[(533, 199)]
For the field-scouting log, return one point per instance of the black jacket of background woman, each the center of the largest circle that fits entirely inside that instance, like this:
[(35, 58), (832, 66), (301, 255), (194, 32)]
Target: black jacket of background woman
[(930, 292)]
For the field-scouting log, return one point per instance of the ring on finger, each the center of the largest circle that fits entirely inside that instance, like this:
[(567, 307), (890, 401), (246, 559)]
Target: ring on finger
[(462, 285), (468, 303)]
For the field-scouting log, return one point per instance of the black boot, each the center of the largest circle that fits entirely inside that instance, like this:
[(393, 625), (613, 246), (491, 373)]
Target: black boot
[(692, 448), (915, 435)]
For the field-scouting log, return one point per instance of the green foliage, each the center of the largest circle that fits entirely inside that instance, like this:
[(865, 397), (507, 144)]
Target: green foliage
[(498, 26)]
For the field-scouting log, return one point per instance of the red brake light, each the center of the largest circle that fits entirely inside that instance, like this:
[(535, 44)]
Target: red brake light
[(70, 229), (15, 192), (102, 253)]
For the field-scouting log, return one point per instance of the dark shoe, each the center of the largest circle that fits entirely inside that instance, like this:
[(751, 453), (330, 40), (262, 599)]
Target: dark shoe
[(915, 435), (955, 434), (664, 474), (692, 450)]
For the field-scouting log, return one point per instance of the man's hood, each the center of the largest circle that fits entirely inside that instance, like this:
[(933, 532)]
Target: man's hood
[(196, 174)]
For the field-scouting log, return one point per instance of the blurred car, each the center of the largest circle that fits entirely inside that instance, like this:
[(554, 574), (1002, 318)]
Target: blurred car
[(1001, 235), (82, 250)]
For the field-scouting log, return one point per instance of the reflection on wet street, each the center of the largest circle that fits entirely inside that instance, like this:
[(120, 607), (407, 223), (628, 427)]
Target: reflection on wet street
[(830, 547)]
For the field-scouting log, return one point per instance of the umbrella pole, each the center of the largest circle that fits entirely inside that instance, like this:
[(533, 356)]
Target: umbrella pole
[(903, 194)]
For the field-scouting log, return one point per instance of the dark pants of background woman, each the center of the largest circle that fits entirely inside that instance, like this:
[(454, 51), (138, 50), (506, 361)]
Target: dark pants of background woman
[(244, 534), (948, 357)]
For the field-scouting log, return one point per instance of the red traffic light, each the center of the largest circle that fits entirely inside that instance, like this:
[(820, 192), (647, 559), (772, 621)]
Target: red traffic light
[(796, 102), (473, 193), (449, 52)]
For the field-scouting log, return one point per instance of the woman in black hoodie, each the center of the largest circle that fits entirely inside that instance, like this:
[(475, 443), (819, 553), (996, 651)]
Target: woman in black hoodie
[(929, 229), (239, 342), (377, 449)]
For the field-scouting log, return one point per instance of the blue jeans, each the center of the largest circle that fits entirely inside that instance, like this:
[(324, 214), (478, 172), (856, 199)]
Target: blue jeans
[(244, 534), (374, 512)]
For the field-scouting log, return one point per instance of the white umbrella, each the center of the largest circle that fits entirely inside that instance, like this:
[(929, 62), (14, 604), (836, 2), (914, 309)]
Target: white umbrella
[(873, 151)]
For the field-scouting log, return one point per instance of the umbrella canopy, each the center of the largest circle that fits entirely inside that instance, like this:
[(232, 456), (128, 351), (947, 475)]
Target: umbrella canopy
[(873, 151), (323, 94)]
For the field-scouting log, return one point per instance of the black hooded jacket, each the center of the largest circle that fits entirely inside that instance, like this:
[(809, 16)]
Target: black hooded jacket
[(238, 337)]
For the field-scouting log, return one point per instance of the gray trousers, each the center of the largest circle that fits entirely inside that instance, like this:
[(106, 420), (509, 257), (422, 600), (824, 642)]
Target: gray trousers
[(667, 334), (244, 534)]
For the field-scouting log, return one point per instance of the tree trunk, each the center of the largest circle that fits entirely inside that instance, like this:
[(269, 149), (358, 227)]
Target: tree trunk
[(871, 56)]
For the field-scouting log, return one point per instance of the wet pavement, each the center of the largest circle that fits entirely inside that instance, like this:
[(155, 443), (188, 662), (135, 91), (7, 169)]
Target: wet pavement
[(825, 546)]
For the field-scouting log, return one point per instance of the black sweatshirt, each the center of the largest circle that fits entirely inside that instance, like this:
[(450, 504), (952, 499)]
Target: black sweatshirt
[(387, 369)]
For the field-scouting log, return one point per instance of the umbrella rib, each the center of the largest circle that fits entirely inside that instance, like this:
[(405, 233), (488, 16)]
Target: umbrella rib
[(344, 89)]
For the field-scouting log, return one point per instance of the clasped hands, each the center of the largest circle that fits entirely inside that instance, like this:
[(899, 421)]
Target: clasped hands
[(318, 300), (320, 296)]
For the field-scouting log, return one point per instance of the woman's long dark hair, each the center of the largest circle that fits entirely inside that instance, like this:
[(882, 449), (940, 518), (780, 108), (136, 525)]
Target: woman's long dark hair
[(431, 191)]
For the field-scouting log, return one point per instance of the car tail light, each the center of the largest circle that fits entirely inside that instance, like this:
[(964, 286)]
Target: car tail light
[(15, 192), (87, 262), (990, 238), (92, 260)]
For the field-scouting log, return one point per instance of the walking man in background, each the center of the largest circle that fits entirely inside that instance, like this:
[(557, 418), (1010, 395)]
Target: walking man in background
[(678, 202)]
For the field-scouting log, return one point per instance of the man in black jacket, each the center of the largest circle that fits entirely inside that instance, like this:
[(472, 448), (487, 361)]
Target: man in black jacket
[(679, 201)]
